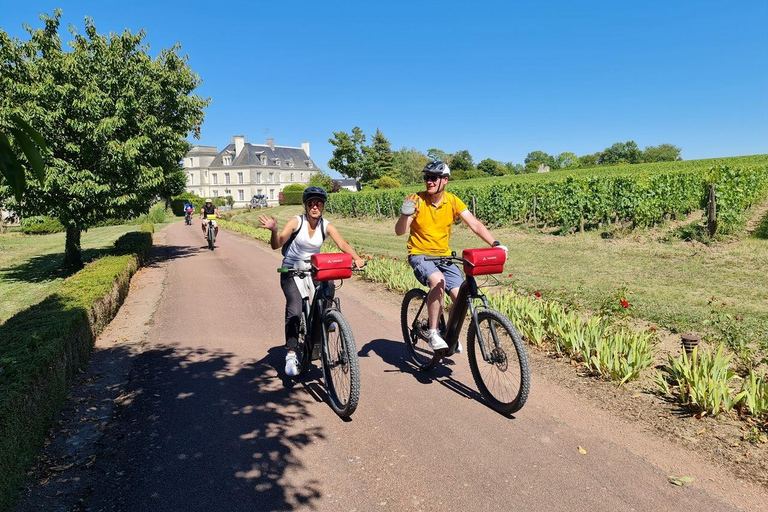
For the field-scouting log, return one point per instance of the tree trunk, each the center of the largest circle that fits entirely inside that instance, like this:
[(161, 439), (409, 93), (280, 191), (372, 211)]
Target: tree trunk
[(72, 253)]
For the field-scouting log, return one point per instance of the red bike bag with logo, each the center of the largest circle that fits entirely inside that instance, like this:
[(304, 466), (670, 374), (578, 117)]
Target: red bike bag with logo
[(330, 266), (479, 262)]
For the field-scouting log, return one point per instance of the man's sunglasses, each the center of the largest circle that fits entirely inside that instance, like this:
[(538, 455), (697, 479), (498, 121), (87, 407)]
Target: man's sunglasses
[(431, 177)]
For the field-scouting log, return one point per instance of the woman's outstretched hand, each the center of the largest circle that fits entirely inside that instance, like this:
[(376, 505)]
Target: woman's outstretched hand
[(269, 223)]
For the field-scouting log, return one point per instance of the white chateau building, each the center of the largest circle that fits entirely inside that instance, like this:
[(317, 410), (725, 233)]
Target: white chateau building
[(242, 170)]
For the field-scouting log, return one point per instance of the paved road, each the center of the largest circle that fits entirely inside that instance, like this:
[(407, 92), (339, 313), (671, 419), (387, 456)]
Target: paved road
[(210, 424)]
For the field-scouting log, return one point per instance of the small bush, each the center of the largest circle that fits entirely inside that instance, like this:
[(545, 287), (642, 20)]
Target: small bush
[(386, 182), (291, 196), (41, 225)]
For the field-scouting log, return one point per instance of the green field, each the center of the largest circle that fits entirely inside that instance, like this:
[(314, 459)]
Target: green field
[(670, 281), (30, 265)]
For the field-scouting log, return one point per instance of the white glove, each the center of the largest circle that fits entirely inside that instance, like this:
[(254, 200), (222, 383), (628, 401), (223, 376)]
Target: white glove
[(409, 207), (497, 245)]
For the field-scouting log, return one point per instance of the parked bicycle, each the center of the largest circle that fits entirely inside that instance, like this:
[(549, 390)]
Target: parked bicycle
[(324, 332), (496, 353)]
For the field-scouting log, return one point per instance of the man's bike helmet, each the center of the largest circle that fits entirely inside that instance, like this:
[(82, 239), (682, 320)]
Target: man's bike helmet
[(437, 167), (314, 193)]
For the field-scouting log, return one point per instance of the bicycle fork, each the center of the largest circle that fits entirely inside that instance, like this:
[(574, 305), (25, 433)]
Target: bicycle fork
[(496, 356)]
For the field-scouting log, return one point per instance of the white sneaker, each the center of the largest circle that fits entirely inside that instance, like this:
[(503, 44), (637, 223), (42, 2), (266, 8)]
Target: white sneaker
[(291, 364), (459, 349), (436, 341)]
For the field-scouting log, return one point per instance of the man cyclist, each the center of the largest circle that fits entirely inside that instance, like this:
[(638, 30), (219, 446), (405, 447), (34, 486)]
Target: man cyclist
[(301, 237), (188, 211), (213, 211), (429, 216)]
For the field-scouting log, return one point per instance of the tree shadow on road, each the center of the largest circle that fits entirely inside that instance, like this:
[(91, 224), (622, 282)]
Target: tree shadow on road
[(201, 430)]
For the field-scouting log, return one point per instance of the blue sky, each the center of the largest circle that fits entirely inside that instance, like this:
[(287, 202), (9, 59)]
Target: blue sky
[(500, 79)]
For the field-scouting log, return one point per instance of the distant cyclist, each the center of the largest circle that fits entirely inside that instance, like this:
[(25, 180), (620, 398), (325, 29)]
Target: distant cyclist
[(189, 210), (209, 210), (429, 216), (300, 238)]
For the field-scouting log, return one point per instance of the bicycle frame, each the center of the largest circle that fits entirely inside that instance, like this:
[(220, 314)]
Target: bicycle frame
[(322, 300), (468, 293)]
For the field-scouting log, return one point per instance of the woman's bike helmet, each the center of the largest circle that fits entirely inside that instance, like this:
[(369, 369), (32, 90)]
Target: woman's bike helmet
[(314, 193), (437, 167)]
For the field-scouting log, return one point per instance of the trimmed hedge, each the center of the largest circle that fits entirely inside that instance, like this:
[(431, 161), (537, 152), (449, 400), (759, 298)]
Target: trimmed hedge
[(41, 225), (44, 346), (291, 197)]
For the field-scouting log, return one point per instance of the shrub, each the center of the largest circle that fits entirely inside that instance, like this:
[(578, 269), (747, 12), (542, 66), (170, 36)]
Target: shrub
[(41, 225), (386, 182), (291, 196)]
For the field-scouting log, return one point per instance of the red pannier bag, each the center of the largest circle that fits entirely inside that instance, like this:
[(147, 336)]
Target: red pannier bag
[(332, 265), (479, 262)]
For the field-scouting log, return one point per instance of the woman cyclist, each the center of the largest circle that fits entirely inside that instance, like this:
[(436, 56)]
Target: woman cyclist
[(300, 238)]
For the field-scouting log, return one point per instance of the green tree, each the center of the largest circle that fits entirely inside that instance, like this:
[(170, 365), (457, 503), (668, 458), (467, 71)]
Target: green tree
[(661, 153), (621, 152), (590, 160), (438, 154), (461, 161), (321, 180), (540, 157), (115, 119), (408, 164), (567, 161), (24, 148), (350, 157), (382, 155), (491, 167), (511, 168)]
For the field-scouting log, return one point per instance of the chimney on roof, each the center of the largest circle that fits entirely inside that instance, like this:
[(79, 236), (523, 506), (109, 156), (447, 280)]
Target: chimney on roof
[(239, 141), (271, 143), (305, 147)]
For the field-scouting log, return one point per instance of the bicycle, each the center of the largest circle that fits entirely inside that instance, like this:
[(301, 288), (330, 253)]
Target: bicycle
[(188, 218), (324, 332), (210, 232), (496, 353)]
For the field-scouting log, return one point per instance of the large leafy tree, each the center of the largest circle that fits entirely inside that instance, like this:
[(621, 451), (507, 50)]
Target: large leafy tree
[(661, 153), (567, 160), (621, 152), (115, 120), (536, 158), (408, 164), (349, 157), (462, 161), (491, 167)]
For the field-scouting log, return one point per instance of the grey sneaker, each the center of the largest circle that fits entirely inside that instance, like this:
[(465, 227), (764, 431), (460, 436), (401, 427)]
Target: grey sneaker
[(436, 341), (291, 364)]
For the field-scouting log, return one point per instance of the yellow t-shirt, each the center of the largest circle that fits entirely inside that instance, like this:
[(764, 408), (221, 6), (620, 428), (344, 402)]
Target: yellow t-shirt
[(431, 225)]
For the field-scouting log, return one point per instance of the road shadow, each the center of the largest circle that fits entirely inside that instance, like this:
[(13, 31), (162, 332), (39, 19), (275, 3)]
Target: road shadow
[(201, 430), (47, 267), (395, 354), (163, 253)]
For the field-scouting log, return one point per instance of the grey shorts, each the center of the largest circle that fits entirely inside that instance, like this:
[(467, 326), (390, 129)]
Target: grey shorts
[(422, 269)]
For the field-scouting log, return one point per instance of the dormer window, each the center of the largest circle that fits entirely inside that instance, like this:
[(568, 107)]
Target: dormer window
[(263, 159), (289, 162), (277, 162), (227, 159), (308, 163)]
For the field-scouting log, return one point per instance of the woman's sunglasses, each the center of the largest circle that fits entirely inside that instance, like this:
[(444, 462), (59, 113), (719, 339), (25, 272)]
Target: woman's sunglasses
[(312, 204), (431, 177)]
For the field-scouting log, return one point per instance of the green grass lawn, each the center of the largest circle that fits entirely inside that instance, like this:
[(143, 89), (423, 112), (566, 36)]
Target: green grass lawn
[(670, 282), (30, 265)]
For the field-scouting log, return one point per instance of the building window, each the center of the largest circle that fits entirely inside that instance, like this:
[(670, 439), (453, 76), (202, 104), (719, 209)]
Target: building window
[(258, 177), (291, 177), (302, 177), (258, 191), (215, 178), (277, 162), (263, 159), (227, 160), (271, 177), (290, 162), (191, 179), (191, 162), (271, 193), (215, 193), (239, 177), (309, 164), (241, 195), (226, 178)]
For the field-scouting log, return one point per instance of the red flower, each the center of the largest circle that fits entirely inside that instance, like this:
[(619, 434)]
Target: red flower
[(725, 303), (537, 293), (511, 275), (624, 303), (653, 329), (395, 258)]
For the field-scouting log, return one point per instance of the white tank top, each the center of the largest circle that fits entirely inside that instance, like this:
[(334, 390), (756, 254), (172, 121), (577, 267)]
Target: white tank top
[(303, 247)]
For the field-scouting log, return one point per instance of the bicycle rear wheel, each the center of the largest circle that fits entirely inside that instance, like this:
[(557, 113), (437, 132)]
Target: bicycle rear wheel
[(414, 321), (505, 380), (341, 368), (210, 237)]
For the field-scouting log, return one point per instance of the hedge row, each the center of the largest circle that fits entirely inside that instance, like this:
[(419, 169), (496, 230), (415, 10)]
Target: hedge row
[(643, 195), (45, 345)]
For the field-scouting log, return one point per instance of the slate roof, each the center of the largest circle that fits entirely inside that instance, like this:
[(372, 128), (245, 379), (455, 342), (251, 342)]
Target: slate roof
[(250, 156)]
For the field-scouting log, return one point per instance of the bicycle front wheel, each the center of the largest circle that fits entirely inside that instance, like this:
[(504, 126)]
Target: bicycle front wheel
[(505, 379), (210, 237), (341, 368)]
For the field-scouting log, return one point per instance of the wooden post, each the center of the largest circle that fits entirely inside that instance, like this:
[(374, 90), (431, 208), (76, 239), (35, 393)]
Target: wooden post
[(392, 206), (378, 208), (473, 206), (712, 211), (534, 212), (354, 210)]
